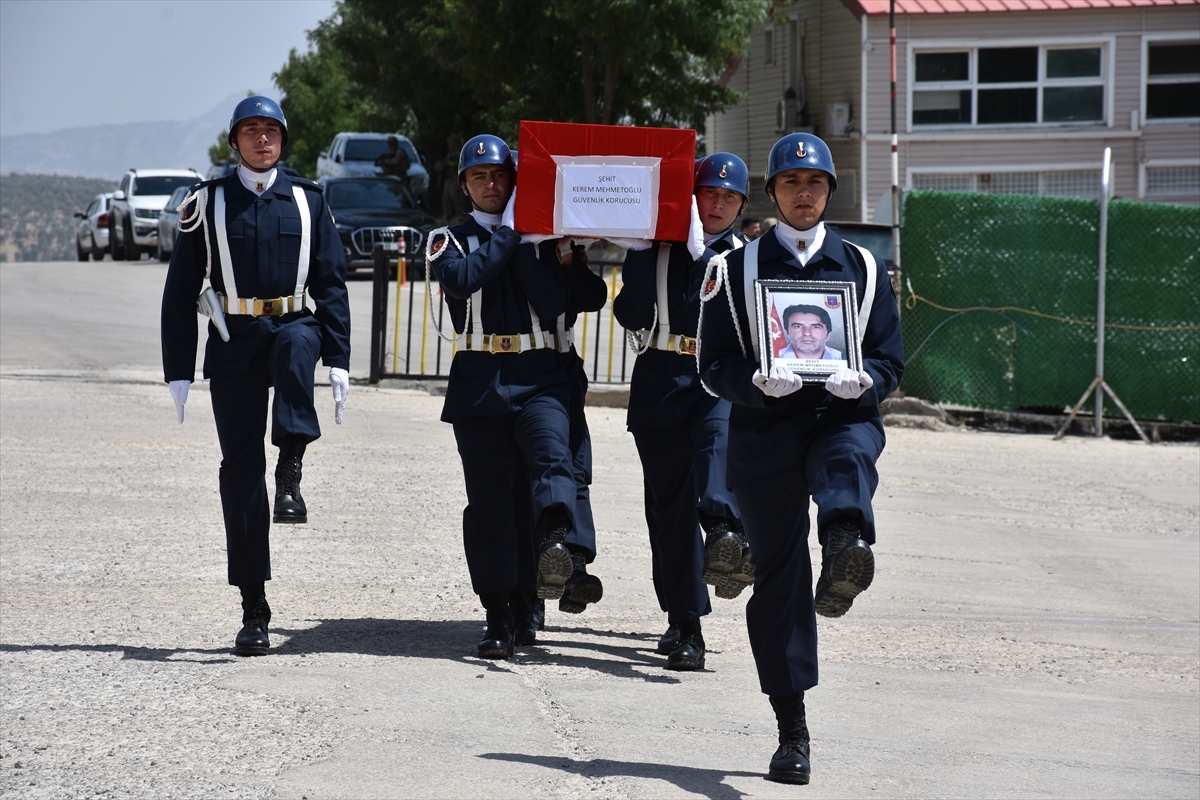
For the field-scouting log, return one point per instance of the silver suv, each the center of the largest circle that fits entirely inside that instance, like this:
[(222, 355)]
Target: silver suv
[(136, 206), (353, 155)]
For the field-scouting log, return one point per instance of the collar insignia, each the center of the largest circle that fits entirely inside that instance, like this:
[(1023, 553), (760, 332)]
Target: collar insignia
[(802, 244)]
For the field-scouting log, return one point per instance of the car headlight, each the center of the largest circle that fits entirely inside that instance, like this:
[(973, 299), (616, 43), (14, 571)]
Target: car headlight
[(146, 213), (421, 180)]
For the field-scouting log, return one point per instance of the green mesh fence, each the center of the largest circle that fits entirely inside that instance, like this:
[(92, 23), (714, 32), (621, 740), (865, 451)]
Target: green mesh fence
[(1000, 303)]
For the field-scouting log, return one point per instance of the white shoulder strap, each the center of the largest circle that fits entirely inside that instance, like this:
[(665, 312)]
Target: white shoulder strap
[(475, 324), (305, 239), (749, 276), (223, 242), (664, 301), (535, 321), (864, 307)]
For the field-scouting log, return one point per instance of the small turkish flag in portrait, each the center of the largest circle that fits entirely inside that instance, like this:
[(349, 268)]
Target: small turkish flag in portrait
[(778, 340)]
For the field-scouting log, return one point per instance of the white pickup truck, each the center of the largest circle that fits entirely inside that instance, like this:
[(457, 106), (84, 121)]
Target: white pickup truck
[(352, 155)]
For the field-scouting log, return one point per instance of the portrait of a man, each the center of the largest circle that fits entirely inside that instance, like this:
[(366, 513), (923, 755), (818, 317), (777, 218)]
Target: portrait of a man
[(807, 330)]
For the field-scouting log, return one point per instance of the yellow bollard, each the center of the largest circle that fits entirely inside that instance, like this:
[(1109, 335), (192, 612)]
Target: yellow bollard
[(400, 284), (425, 316), (612, 323)]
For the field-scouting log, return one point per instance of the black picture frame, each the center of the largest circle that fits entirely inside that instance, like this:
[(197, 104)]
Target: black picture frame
[(841, 346)]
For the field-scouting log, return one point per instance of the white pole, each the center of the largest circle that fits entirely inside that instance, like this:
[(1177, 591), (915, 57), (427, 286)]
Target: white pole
[(1105, 174)]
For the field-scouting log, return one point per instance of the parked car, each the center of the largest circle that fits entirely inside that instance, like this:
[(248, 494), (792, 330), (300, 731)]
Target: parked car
[(136, 205), (352, 155), (168, 224), (376, 210), (91, 232)]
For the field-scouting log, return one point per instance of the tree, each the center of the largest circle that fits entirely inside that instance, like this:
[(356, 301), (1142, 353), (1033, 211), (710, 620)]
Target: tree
[(321, 100), (221, 153), (463, 66)]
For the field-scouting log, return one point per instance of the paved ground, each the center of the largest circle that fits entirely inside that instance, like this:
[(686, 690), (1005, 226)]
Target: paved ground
[(1033, 631)]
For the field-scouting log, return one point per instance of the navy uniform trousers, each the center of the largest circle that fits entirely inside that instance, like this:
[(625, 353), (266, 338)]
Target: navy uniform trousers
[(508, 410), (239, 404), (263, 353), (838, 473), (784, 452), (683, 469), (680, 430)]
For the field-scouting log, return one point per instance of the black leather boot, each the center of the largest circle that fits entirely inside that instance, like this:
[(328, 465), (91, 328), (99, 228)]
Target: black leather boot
[(689, 655), (252, 639), (497, 641), (790, 763), (581, 587), (731, 585), (847, 568), (289, 505), (668, 641), (554, 559), (723, 548), (529, 616)]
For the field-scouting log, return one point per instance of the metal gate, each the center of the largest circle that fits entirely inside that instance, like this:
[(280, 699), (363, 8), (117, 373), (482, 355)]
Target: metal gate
[(405, 342)]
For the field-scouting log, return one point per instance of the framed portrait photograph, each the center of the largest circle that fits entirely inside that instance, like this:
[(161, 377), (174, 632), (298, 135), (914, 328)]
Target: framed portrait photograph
[(811, 327)]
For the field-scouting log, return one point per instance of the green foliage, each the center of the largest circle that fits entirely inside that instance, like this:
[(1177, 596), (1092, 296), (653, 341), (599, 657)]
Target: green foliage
[(439, 68), (36, 222), (321, 100), (221, 153)]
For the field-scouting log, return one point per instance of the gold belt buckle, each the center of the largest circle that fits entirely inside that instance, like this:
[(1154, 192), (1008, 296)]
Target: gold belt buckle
[(505, 344), (272, 307), (687, 345)]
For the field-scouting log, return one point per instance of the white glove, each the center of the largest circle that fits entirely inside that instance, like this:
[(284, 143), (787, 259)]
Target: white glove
[(695, 242), (509, 217), (536, 238), (848, 384), (339, 379), (631, 244), (780, 382), (179, 393)]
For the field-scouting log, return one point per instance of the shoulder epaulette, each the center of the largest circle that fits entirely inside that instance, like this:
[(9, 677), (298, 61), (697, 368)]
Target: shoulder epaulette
[(311, 186)]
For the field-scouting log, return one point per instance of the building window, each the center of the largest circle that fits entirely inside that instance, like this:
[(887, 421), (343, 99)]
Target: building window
[(769, 46), (1008, 86), (1050, 183), (1173, 80), (1173, 181)]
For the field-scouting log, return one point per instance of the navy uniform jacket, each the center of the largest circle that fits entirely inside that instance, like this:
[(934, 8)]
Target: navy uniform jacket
[(665, 385), (264, 245), (586, 291), (767, 434), (512, 279)]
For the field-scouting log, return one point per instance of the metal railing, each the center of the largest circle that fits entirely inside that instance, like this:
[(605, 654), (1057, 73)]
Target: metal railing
[(405, 343)]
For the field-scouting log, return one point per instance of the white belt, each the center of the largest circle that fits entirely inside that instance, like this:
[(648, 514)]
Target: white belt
[(504, 343), (262, 306)]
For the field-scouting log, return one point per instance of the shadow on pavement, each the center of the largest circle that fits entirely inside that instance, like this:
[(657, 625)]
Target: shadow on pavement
[(450, 640), (218, 655), (454, 640), (703, 782)]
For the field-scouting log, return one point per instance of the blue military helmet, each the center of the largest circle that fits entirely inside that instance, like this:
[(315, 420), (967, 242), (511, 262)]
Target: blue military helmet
[(256, 106), (482, 150), (800, 151), (724, 171)]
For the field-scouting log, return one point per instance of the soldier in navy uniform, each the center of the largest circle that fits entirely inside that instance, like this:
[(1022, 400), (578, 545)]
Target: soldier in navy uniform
[(267, 244), (586, 292), (680, 430), (789, 441), (507, 395)]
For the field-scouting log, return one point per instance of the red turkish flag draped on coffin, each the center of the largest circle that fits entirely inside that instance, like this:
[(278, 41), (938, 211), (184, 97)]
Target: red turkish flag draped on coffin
[(605, 180)]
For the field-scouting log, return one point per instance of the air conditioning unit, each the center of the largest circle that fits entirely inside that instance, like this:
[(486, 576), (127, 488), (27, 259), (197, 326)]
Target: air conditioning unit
[(837, 119)]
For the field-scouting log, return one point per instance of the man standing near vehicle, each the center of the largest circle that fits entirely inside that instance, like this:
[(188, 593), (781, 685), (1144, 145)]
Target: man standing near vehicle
[(507, 395), (680, 430), (267, 243), (789, 442)]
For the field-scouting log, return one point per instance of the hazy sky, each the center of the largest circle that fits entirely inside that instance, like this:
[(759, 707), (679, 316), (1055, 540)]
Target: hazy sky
[(67, 63)]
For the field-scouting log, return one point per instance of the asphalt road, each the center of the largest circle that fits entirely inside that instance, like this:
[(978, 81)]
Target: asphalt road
[(1033, 630)]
